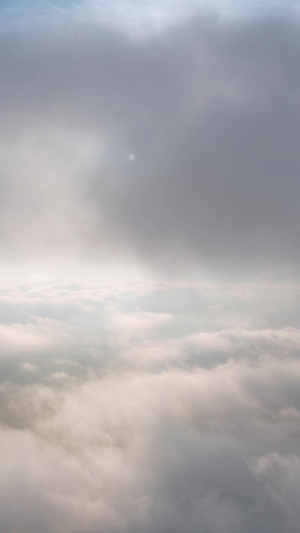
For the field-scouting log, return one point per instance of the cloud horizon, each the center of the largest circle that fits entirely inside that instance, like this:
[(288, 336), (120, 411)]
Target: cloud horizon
[(150, 254)]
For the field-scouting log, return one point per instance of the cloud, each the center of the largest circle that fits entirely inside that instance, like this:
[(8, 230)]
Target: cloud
[(89, 326), (130, 326), (208, 349), (210, 109), (198, 450), (154, 406), (170, 432), (19, 340)]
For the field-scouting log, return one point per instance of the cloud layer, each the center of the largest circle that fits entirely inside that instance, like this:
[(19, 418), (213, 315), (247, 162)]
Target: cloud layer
[(149, 407), (203, 451), (168, 404), (209, 108)]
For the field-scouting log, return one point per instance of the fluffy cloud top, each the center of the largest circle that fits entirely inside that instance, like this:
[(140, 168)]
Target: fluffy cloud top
[(138, 410), (203, 451)]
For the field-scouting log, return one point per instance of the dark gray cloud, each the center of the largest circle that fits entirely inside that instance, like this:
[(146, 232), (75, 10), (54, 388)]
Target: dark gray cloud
[(211, 112)]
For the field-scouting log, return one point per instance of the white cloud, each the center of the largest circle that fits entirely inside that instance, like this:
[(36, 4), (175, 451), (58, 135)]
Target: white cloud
[(149, 452), (21, 340), (28, 367), (130, 327)]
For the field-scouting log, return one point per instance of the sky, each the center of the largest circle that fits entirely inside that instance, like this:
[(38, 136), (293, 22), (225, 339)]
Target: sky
[(150, 266)]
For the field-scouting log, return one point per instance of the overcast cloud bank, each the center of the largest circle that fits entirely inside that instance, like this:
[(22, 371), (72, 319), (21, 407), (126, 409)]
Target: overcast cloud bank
[(210, 110), (168, 153)]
